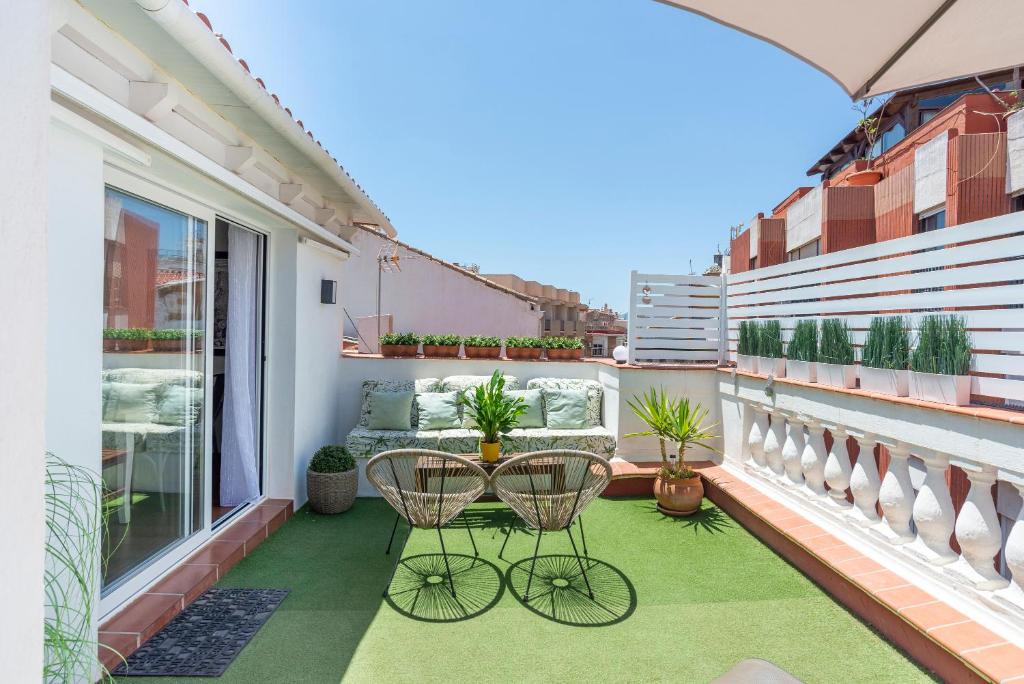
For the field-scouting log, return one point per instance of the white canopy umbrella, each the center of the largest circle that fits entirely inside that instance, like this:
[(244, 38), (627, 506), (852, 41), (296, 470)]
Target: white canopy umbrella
[(870, 47)]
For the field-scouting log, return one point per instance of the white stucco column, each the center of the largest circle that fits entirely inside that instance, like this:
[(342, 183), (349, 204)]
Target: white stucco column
[(24, 121), (977, 529), (896, 496), (812, 460), (837, 467), (933, 512), (864, 482)]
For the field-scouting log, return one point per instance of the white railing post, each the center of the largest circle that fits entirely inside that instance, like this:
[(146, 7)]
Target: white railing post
[(977, 529), (837, 468), (864, 482), (896, 495), (632, 323), (813, 460), (723, 323), (792, 451), (934, 516)]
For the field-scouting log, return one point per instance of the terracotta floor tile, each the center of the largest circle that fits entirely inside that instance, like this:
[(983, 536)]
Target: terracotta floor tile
[(255, 540), (275, 523), (999, 662), (932, 615), (115, 646), (223, 554), (858, 566), (901, 597), (965, 636), (806, 533), (838, 554), (188, 580), (825, 541), (265, 515), (145, 615), (240, 531), (883, 579)]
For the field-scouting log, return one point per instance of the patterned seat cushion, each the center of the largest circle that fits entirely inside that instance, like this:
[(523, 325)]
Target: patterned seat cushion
[(597, 440), (421, 385), (592, 388), (460, 441), (364, 443)]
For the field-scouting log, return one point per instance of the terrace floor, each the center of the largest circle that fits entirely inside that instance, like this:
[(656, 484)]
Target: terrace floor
[(677, 600)]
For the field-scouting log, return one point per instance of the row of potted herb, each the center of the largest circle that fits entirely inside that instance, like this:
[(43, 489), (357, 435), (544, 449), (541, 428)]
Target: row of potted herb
[(481, 346), (172, 340), (935, 370)]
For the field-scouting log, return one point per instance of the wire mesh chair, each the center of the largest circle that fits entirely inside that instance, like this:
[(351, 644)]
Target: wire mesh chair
[(549, 490), (428, 489)]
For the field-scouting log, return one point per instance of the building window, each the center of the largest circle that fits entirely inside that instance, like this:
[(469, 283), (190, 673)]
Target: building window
[(926, 115), (753, 263), (811, 249), (597, 349), (888, 139), (1017, 203), (927, 222)]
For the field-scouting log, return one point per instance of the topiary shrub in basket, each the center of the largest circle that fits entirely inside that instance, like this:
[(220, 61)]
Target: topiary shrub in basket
[(802, 352), (332, 480)]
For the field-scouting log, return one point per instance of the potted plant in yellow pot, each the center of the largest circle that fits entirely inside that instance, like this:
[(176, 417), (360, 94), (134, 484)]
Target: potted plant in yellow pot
[(494, 413), (677, 487)]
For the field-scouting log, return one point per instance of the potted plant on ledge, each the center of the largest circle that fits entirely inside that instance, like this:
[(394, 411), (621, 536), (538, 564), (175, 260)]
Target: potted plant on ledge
[(494, 412), (175, 340), (940, 363), (770, 360), (482, 347), (441, 346), (835, 355), (332, 480), (677, 487), (126, 339), (802, 352), (884, 359), (524, 348), (564, 348), (746, 346), (399, 344)]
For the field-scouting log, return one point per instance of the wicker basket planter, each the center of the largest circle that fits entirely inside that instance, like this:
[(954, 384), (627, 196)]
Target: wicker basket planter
[(483, 352), (331, 493)]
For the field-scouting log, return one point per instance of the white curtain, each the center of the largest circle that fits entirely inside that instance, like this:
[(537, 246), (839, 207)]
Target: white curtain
[(239, 469)]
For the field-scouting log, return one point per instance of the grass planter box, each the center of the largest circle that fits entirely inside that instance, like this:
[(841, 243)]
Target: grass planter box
[(565, 354), (894, 383), (843, 376), (770, 366), (399, 350), (483, 352), (806, 371), (441, 351), (523, 353), (952, 390), (746, 363)]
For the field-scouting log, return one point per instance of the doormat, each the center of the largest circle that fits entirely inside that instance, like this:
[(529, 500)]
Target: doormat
[(206, 637)]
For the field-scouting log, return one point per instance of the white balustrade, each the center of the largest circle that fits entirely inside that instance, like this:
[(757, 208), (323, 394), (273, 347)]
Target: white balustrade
[(896, 496), (837, 468), (773, 445), (977, 529), (812, 460), (1013, 550), (755, 440), (865, 483), (792, 451), (934, 516)]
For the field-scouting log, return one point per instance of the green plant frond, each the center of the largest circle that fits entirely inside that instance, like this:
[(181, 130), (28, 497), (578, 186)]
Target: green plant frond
[(495, 413), (803, 345), (836, 344)]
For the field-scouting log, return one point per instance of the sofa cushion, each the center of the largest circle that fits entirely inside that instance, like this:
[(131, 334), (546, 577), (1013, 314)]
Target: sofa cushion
[(458, 383), (597, 440), (179, 406), (592, 388), (390, 410), (364, 443), (154, 376), (438, 410), (125, 402), (565, 409), (421, 385), (533, 399), (460, 441)]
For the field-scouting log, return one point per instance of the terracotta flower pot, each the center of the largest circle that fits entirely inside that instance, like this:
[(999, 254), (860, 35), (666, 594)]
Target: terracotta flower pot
[(565, 354), (678, 496), (490, 451), (523, 353), (483, 352), (868, 177), (128, 345), (398, 350), (175, 346), (441, 351)]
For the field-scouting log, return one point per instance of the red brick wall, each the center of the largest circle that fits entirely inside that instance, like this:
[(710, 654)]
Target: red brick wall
[(739, 250), (847, 218), (771, 247), (976, 184), (894, 205)]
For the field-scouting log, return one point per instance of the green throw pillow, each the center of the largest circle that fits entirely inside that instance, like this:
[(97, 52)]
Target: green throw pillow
[(390, 410), (128, 402), (533, 399), (566, 409), (438, 410)]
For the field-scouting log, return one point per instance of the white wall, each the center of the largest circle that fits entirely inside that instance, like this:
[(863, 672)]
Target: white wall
[(803, 219), (24, 118), (428, 297), (930, 173), (317, 345), (280, 379), (1015, 153)]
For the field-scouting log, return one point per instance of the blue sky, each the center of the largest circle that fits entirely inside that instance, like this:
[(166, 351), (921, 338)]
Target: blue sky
[(566, 141)]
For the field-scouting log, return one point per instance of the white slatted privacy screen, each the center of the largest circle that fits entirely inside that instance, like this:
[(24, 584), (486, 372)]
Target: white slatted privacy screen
[(676, 318), (975, 270)]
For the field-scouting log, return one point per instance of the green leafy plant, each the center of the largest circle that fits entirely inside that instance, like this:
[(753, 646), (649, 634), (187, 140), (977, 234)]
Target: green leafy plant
[(482, 341), (803, 346), (174, 334), (442, 340), (769, 339), (887, 344), (562, 343), (127, 333), (653, 408), (494, 412), (524, 342), (836, 345), (332, 458), (400, 338), (674, 420), (943, 346), (749, 338)]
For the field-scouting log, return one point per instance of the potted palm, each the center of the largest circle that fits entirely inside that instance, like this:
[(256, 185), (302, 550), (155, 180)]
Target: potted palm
[(835, 355), (399, 344), (494, 412), (770, 360), (332, 480), (677, 487), (126, 339), (885, 357), (940, 363), (564, 348), (802, 352), (441, 346), (523, 347), (746, 346), (482, 347)]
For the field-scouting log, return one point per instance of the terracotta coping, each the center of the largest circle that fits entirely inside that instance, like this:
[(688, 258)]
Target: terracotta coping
[(604, 361)]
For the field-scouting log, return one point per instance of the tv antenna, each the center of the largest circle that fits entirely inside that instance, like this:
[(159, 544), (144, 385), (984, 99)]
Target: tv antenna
[(389, 260)]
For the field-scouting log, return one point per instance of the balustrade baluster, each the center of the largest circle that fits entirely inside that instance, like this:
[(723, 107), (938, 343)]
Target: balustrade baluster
[(1013, 551), (813, 460), (755, 440), (792, 450), (837, 468), (977, 529), (773, 445), (933, 512), (865, 483), (896, 496)]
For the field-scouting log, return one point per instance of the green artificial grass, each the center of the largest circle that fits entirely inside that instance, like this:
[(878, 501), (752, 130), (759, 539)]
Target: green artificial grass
[(677, 600)]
